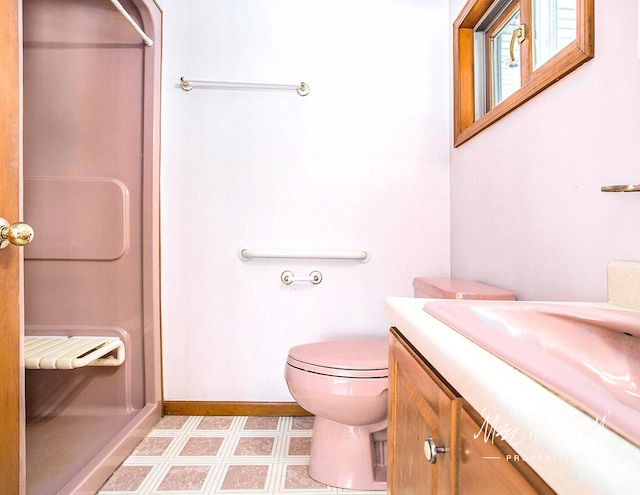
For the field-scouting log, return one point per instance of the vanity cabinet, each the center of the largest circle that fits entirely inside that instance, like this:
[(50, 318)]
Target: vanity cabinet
[(438, 444), (422, 407)]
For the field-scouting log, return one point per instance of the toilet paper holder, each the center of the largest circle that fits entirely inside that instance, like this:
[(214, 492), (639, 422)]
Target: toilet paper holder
[(287, 277)]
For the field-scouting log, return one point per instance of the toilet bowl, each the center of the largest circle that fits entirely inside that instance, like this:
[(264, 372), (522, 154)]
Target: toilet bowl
[(344, 384)]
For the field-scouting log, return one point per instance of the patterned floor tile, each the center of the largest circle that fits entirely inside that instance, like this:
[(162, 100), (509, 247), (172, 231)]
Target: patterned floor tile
[(207, 446), (184, 478), (302, 423), (245, 477), (152, 446), (296, 478), (171, 423), (222, 455), (299, 446), (215, 423), (261, 423), (254, 446), (127, 478)]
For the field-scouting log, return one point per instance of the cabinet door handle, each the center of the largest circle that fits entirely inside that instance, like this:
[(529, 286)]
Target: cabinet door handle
[(431, 450)]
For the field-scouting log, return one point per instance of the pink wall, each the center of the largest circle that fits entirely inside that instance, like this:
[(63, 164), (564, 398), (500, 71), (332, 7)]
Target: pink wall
[(526, 208)]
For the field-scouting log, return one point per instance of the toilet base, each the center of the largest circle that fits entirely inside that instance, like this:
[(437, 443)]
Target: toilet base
[(352, 457)]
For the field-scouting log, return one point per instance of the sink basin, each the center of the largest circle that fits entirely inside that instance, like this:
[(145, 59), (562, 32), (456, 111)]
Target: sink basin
[(587, 354)]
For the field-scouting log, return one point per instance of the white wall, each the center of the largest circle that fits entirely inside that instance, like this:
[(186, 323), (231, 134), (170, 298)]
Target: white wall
[(526, 211), (362, 162)]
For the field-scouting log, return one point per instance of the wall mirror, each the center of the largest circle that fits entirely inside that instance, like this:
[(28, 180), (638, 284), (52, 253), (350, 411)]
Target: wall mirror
[(507, 51)]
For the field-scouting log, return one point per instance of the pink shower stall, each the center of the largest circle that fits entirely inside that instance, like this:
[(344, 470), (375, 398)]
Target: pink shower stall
[(91, 164)]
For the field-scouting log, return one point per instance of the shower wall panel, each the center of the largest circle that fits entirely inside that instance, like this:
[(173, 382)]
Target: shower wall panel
[(83, 186)]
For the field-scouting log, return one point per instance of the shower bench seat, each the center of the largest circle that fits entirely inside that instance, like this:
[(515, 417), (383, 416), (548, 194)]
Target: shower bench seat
[(67, 353)]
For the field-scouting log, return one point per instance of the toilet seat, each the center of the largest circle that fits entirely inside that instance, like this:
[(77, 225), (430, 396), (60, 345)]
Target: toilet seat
[(345, 359)]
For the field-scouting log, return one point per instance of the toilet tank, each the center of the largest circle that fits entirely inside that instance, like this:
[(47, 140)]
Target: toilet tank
[(455, 288)]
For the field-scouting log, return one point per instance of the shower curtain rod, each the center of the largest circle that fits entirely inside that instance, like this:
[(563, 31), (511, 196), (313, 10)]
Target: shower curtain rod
[(147, 41)]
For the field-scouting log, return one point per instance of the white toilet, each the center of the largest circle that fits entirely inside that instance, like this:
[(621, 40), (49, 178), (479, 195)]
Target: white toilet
[(344, 384)]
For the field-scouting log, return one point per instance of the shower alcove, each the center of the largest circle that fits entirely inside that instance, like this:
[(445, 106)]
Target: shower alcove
[(90, 175)]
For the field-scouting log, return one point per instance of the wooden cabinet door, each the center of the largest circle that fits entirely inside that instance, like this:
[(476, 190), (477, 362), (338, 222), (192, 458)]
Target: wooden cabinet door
[(419, 408), (487, 465), (477, 461)]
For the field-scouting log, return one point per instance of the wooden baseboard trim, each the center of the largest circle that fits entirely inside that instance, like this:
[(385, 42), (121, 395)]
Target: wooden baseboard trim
[(197, 408)]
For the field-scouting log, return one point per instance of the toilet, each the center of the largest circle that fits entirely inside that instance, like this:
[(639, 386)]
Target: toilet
[(344, 385), (457, 288)]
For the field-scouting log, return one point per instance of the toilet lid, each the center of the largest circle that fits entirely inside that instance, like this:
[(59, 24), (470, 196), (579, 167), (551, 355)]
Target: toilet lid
[(351, 359)]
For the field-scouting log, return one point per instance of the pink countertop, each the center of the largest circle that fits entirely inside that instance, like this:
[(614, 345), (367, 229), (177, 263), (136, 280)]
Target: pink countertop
[(590, 356)]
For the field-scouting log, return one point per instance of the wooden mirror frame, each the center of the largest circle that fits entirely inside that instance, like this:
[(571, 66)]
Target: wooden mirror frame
[(465, 126)]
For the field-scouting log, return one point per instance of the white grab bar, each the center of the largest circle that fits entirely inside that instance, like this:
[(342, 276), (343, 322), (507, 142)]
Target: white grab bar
[(247, 254), (187, 84), (147, 41)]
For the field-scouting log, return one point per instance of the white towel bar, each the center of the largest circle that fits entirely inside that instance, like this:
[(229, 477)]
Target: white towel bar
[(67, 353), (247, 254), (188, 83)]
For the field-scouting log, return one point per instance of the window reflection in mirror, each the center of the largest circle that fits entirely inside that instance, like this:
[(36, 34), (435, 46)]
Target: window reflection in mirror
[(507, 51)]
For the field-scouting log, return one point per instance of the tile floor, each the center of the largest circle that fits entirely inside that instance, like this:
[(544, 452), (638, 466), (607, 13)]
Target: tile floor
[(222, 455)]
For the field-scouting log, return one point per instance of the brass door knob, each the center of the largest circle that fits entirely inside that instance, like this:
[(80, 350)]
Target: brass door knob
[(18, 234)]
